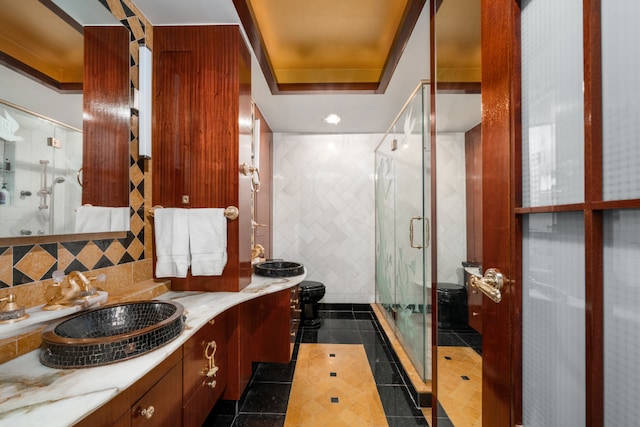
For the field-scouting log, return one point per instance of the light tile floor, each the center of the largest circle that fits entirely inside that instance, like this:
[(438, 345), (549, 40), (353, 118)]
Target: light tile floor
[(333, 386)]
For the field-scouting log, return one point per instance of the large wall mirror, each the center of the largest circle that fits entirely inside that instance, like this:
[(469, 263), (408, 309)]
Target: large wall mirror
[(49, 145), (458, 354)]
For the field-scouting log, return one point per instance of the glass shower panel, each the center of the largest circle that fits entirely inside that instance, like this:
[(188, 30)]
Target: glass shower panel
[(620, 101), (552, 103), (621, 245), (553, 313), (412, 225), (402, 231), (385, 228)]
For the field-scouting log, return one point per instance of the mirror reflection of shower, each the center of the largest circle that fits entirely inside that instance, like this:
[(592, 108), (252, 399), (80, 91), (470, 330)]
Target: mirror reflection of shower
[(47, 207), (57, 180)]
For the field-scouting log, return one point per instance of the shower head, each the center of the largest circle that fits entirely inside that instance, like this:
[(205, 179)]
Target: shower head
[(59, 180)]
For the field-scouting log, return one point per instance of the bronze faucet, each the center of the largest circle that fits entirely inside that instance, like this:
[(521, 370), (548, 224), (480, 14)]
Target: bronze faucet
[(70, 290)]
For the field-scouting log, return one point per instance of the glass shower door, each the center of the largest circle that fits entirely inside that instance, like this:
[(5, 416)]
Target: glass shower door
[(402, 230)]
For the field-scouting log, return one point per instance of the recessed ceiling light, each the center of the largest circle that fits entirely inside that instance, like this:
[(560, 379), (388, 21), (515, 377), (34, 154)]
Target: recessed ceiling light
[(332, 119)]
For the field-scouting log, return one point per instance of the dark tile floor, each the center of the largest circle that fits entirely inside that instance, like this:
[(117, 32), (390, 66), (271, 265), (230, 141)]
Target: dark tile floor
[(264, 403)]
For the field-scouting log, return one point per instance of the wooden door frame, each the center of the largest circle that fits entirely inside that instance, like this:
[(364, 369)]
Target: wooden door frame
[(501, 247)]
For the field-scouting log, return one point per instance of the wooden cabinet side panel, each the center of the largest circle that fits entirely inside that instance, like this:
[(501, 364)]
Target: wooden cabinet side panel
[(106, 111), (277, 329), (473, 174), (473, 171), (264, 234)]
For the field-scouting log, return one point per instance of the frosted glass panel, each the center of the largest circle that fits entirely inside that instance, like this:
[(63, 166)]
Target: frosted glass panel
[(402, 184), (552, 102), (620, 100), (621, 317), (553, 320)]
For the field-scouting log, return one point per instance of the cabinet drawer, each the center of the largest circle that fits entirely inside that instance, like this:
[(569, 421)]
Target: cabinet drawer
[(161, 405)]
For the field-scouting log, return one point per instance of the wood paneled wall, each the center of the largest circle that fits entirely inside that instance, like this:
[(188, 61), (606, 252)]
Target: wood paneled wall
[(106, 122), (202, 133)]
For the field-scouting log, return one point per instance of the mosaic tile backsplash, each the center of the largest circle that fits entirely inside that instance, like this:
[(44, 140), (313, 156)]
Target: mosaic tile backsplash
[(22, 264)]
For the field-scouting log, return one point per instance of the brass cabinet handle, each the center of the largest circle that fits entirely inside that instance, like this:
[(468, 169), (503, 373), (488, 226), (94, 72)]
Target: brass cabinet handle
[(211, 384), (210, 369), (148, 412)]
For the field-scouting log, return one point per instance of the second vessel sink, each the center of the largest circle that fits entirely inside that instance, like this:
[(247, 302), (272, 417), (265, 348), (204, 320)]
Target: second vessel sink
[(110, 333), (278, 269)]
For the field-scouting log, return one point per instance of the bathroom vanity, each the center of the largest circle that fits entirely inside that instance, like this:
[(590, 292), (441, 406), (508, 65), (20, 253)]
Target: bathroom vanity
[(176, 384)]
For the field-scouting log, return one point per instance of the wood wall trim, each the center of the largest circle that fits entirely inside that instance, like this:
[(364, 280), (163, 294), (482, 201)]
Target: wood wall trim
[(594, 291), (500, 76), (106, 122)]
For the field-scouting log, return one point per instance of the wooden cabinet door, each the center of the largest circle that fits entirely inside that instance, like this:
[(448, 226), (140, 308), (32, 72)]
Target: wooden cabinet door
[(205, 369), (162, 405)]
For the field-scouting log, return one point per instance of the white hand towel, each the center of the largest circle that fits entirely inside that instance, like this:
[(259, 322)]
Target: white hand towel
[(208, 241), (120, 219), (172, 242), (93, 219)]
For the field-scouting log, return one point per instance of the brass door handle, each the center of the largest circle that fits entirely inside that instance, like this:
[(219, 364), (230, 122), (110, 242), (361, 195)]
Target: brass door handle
[(490, 284), (427, 232)]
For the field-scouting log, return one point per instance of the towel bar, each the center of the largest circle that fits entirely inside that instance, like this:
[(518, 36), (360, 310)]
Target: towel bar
[(230, 212)]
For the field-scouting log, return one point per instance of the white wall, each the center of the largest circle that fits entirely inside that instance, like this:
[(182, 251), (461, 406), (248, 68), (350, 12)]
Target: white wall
[(29, 94), (323, 201)]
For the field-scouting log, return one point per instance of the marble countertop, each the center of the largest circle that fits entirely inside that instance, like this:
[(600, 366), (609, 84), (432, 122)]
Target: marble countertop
[(32, 394)]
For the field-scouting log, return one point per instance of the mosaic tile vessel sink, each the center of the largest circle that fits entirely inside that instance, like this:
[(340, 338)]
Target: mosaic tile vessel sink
[(110, 334), (278, 269)]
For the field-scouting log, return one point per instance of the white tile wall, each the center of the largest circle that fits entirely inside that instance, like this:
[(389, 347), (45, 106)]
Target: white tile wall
[(323, 201)]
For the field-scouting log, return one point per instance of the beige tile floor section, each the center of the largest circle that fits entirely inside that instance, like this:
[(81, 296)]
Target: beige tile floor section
[(314, 386), (462, 400)]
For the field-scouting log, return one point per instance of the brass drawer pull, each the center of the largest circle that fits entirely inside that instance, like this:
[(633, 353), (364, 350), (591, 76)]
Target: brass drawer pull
[(211, 384), (148, 412), (210, 368)]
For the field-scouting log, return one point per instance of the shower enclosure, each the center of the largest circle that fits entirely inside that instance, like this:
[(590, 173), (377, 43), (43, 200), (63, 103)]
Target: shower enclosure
[(403, 224), (41, 159)]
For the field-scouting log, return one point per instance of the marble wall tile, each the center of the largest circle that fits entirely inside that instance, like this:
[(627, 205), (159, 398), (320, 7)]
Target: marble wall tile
[(324, 212), (451, 207)]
